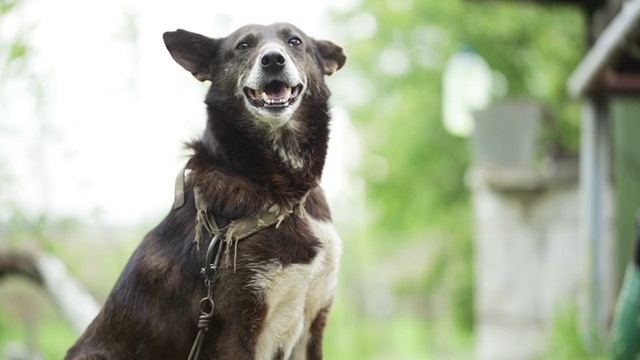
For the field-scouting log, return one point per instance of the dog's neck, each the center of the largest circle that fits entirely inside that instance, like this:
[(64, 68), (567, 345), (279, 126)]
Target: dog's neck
[(286, 142), (279, 167)]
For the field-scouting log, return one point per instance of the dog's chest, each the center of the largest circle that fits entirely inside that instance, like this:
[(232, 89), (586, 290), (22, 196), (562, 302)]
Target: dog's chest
[(295, 294)]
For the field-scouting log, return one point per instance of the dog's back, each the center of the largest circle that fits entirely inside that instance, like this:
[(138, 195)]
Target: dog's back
[(262, 152)]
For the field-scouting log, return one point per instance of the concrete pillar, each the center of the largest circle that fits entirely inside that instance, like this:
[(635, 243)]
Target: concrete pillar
[(530, 260), (542, 239)]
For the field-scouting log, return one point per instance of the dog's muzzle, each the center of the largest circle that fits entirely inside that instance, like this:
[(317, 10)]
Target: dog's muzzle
[(274, 82)]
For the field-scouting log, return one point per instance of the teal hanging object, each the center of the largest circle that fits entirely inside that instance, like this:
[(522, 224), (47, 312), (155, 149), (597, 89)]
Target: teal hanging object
[(625, 341), (625, 336)]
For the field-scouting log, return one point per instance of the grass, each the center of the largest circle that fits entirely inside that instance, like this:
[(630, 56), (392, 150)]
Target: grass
[(567, 339), (29, 322), (369, 320), (352, 335)]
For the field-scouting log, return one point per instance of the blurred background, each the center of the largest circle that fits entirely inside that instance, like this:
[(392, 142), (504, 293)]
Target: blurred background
[(482, 172)]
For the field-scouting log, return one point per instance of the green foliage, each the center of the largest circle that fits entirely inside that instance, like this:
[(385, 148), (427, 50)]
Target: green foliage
[(566, 342), (14, 52), (9, 330), (28, 320), (415, 170), (351, 334), (7, 5), (55, 337), (401, 337), (533, 46)]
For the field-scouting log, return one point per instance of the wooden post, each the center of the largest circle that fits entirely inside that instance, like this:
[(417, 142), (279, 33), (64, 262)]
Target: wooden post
[(625, 114), (595, 188)]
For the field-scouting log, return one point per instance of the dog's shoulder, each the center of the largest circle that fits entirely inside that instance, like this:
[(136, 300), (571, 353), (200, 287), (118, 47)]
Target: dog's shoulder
[(316, 205)]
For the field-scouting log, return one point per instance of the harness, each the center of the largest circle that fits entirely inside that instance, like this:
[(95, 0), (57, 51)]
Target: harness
[(230, 235)]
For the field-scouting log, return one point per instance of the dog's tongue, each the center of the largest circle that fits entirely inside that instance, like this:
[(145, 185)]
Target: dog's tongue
[(276, 91)]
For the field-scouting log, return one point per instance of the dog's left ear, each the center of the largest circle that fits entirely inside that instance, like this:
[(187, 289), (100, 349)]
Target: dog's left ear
[(331, 56), (192, 51)]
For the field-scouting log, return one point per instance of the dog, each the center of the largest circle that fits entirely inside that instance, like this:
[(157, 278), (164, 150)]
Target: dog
[(255, 173)]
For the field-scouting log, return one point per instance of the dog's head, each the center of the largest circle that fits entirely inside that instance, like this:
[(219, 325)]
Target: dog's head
[(273, 69)]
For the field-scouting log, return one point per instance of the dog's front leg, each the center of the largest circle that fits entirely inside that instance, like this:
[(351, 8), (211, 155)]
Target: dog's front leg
[(310, 346), (314, 345)]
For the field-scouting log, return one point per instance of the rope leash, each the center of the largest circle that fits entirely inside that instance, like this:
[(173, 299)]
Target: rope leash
[(207, 305)]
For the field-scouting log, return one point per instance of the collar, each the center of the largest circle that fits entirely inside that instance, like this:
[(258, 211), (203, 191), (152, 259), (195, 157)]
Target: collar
[(238, 229)]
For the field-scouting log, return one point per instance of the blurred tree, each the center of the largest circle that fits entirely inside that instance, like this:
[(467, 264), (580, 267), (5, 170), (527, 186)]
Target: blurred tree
[(14, 49), (25, 315), (15, 55), (415, 171)]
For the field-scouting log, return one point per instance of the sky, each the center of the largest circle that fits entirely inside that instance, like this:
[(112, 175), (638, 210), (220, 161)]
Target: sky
[(104, 139)]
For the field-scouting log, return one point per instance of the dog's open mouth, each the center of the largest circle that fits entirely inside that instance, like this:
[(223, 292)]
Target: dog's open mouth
[(275, 94)]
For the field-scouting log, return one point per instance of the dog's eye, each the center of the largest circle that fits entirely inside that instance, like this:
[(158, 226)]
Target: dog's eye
[(243, 46), (295, 42)]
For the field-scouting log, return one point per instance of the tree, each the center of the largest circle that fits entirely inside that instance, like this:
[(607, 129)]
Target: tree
[(415, 171)]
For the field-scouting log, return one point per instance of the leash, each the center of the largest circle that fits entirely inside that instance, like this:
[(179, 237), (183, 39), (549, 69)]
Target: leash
[(207, 305), (236, 230)]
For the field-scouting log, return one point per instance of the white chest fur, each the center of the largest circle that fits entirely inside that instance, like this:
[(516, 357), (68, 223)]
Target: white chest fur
[(295, 294)]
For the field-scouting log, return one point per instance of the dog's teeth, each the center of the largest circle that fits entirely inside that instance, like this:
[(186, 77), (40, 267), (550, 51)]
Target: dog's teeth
[(275, 100)]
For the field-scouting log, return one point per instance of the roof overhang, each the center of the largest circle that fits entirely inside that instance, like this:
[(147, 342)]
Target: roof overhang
[(612, 64)]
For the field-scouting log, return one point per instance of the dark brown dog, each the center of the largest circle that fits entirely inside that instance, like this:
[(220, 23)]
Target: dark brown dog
[(262, 152)]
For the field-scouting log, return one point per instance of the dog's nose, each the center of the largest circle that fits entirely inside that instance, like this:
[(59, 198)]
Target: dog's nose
[(273, 60)]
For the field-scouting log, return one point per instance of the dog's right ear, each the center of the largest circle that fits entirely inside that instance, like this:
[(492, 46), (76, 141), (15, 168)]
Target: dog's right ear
[(192, 51)]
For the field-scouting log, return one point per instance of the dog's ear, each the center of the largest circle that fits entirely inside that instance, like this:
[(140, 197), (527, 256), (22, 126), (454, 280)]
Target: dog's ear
[(331, 56), (192, 51)]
